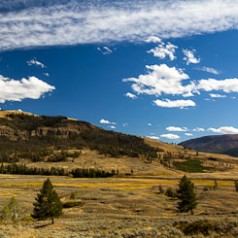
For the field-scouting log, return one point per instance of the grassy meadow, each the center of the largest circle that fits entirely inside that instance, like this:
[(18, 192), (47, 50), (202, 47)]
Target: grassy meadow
[(121, 207)]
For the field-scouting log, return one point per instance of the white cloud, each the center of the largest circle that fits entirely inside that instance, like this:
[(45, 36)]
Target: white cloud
[(36, 63), (105, 50), (81, 22), (173, 104), (153, 39), (198, 129), (209, 70), (162, 79), (47, 74), (131, 95), (226, 85), (112, 127), (106, 122), (188, 134), (163, 50), (149, 124), (214, 95), (190, 57), (224, 130), (17, 90), (176, 128), (170, 136), (153, 137)]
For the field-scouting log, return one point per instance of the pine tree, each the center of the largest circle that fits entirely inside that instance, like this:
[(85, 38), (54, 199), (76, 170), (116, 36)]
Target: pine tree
[(186, 195), (47, 203)]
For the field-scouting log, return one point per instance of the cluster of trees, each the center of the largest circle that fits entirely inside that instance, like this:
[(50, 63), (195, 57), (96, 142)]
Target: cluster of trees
[(117, 144), (76, 173), (30, 122)]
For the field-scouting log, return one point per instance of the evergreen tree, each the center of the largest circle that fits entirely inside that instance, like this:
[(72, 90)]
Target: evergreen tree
[(47, 203), (186, 195)]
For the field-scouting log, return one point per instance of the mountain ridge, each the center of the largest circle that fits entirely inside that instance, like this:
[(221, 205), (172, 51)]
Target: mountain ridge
[(224, 144)]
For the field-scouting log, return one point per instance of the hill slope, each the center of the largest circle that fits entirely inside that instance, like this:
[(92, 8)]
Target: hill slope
[(224, 144), (25, 135)]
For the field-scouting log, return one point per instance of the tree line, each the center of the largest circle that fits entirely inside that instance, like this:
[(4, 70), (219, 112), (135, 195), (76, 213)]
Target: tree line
[(53, 171)]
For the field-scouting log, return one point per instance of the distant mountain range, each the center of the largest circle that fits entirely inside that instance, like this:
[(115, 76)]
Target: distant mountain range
[(223, 144)]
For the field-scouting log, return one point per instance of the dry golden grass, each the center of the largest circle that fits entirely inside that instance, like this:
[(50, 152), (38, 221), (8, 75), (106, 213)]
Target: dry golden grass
[(114, 207)]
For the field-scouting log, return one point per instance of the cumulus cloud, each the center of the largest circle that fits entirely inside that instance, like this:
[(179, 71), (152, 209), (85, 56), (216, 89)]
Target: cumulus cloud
[(215, 95), (153, 137), (176, 128), (105, 50), (80, 22), (224, 130), (164, 80), (161, 79), (149, 124), (198, 129), (131, 95), (17, 90), (209, 70), (112, 127), (36, 63), (106, 122), (170, 136), (174, 104), (164, 50), (188, 134), (190, 57)]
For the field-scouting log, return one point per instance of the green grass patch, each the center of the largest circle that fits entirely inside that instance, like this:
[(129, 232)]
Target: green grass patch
[(192, 166)]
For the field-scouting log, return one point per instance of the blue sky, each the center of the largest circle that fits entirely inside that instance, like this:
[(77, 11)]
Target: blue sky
[(161, 69)]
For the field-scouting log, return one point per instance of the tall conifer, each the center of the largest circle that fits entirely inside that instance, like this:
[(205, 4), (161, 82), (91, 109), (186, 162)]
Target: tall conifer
[(186, 195), (47, 203)]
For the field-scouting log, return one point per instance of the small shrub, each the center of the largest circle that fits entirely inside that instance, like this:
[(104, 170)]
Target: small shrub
[(170, 193)]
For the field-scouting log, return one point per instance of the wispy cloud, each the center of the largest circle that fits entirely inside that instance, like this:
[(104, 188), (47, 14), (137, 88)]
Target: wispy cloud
[(190, 57), (54, 23), (176, 128), (153, 137), (17, 90), (170, 136), (105, 50), (35, 62), (215, 95), (188, 134), (209, 70), (198, 129), (224, 130), (130, 95), (153, 39)]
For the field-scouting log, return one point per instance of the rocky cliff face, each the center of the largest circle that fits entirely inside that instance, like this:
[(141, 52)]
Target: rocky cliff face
[(21, 126), (61, 132), (11, 134)]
